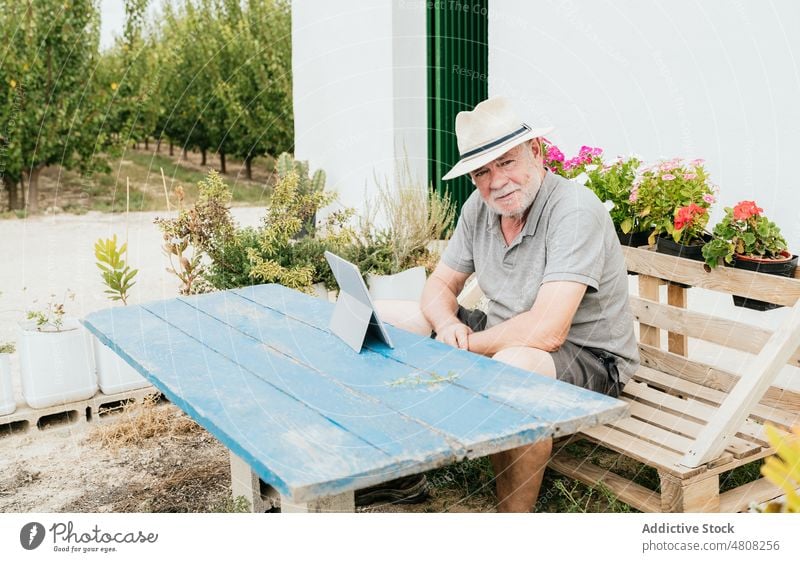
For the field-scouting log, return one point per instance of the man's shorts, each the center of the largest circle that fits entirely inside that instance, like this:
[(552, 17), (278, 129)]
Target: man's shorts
[(590, 368)]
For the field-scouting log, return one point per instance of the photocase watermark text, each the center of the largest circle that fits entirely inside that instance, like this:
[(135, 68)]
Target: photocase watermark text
[(64, 532)]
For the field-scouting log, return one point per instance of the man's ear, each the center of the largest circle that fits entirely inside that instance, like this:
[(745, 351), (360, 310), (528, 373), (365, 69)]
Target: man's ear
[(537, 149)]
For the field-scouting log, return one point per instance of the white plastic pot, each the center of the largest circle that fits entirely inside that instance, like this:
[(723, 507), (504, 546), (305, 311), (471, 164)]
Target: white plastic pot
[(7, 402), (406, 285), (56, 367), (113, 373)]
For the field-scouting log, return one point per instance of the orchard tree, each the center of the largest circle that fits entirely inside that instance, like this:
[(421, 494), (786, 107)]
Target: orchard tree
[(57, 121)]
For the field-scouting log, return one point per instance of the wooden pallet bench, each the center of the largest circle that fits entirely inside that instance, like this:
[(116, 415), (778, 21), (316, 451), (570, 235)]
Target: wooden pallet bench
[(692, 421)]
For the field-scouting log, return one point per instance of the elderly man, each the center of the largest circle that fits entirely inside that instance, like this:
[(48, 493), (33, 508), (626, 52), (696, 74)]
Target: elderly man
[(546, 255)]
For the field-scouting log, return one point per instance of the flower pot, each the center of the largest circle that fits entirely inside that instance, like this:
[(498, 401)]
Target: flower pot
[(7, 401), (633, 239), (406, 285), (56, 367), (784, 267), (113, 373), (666, 245)]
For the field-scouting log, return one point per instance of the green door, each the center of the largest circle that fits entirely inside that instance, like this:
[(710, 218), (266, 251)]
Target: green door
[(458, 60)]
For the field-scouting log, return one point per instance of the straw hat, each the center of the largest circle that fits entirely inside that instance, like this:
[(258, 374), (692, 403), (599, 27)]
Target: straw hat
[(488, 131)]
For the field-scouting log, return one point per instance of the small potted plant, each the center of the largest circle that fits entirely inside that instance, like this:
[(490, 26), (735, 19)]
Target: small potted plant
[(746, 239), (661, 189), (55, 357), (396, 259), (114, 375), (7, 401), (688, 233), (613, 183)]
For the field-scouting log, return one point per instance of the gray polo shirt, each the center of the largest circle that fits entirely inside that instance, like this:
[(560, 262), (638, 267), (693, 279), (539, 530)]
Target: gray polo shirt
[(568, 236)]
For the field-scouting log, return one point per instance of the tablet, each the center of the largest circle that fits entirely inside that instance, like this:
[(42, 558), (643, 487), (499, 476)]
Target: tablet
[(354, 316)]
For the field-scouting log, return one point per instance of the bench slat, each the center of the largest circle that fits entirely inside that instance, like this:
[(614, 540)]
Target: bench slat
[(642, 451), (739, 447), (714, 329), (770, 288), (671, 441), (739, 499), (713, 377), (630, 492)]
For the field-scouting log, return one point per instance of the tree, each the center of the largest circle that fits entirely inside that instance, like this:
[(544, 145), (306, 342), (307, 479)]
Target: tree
[(52, 59), (262, 85)]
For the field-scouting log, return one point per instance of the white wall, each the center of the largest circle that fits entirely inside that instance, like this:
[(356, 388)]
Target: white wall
[(716, 79), (359, 91)]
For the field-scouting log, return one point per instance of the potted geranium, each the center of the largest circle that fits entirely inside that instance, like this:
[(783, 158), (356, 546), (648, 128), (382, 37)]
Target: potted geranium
[(661, 189), (7, 401), (688, 233), (746, 239), (612, 184)]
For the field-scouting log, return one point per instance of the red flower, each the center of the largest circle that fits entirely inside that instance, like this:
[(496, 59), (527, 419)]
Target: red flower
[(686, 215), (746, 209)]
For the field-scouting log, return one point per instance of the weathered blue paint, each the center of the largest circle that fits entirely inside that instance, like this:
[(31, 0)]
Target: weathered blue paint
[(259, 369), (565, 406)]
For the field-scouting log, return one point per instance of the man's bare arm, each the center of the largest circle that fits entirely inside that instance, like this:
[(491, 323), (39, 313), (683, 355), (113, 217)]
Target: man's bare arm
[(439, 304), (545, 326)]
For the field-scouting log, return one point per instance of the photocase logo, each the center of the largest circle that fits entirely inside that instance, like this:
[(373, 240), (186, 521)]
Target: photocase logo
[(31, 535)]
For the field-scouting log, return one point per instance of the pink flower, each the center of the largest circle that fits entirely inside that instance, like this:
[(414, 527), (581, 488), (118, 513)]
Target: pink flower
[(697, 162), (555, 154), (667, 177), (689, 176), (634, 195), (709, 199)]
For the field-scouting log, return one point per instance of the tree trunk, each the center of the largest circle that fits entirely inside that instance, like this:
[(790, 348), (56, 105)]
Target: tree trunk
[(11, 189), (158, 145), (248, 166), (203, 152), (222, 162), (171, 151), (33, 189), (145, 144)]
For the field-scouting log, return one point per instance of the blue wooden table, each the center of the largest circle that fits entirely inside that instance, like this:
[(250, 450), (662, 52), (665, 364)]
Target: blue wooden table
[(305, 414)]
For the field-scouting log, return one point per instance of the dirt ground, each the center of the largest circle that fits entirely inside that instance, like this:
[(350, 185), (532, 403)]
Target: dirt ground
[(182, 468)]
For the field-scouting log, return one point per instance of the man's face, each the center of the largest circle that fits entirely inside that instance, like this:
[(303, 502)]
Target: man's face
[(509, 183)]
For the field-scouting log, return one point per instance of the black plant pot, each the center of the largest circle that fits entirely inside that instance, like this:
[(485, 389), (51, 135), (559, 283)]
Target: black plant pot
[(771, 267), (633, 239), (666, 245)]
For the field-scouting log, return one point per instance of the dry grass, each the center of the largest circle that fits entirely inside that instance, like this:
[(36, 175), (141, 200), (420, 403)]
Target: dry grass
[(138, 422)]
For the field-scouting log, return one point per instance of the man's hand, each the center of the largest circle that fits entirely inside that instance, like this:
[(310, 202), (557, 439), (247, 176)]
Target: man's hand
[(455, 334)]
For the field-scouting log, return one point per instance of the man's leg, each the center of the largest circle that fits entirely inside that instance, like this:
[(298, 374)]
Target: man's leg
[(519, 471), (405, 315)]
